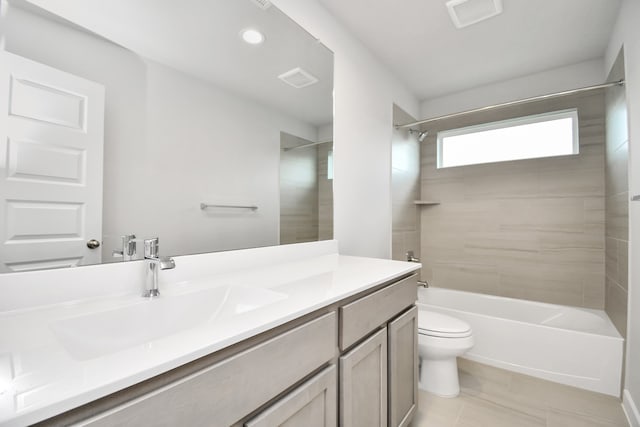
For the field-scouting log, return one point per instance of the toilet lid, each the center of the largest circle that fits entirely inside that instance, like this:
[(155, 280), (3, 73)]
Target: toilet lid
[(441, 325)]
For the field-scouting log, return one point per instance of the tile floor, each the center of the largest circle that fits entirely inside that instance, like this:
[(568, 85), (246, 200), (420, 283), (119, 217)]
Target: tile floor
[(491, 397)]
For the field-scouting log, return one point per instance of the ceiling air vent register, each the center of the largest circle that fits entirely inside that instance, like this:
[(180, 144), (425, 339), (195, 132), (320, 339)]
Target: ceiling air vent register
[(262, 4), (468, 12), (298, 78)]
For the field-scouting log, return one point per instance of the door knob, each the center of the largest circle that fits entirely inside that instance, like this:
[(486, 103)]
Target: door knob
[(93, 244)]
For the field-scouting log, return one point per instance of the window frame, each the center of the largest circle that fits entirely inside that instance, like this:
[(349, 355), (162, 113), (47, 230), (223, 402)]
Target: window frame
[(571, 113)]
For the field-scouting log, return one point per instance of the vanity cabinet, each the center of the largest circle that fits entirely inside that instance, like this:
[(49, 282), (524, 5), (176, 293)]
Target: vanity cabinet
[(379, 376), (352, 363)]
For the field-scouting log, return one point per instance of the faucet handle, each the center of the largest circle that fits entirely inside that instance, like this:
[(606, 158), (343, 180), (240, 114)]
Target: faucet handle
[(151, 247), (128, 248), (129, 244), (411, 257)]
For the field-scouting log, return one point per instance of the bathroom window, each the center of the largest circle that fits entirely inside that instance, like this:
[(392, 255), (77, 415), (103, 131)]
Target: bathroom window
[(330, 165), (530, 137)]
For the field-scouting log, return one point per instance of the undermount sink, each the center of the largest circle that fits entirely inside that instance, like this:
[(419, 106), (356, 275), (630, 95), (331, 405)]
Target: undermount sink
[(96, 334)]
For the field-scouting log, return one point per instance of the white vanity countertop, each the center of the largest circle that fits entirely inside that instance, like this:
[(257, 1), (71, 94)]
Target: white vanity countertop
[(49, 366)]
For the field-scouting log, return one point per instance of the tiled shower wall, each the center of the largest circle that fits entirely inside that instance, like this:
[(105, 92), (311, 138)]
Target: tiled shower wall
[(617, 203), (306, 192), (298, 191), (325, 194), (405, 189), (530, 229)]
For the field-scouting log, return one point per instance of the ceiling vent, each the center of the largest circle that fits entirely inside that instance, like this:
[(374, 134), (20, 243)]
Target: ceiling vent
[(262, 4), (298, 78), (467, 12)]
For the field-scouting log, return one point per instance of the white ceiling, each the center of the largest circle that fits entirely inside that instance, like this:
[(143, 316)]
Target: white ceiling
[(417, 40), (201, 38)]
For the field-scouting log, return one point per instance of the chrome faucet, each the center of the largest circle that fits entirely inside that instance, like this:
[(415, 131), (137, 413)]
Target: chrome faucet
[(154, 263)]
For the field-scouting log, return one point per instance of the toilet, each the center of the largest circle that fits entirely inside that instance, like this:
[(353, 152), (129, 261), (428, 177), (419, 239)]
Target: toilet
[(441, 339)]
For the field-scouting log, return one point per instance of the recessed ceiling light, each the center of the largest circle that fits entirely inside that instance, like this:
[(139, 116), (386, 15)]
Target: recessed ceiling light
[(467, 12), (252, 36)]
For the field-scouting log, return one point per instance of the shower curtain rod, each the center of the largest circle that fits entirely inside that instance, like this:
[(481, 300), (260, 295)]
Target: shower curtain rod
[(510, 103), (305, 145)]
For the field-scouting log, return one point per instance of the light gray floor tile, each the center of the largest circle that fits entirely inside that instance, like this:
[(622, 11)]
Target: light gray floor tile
[(494, 397)]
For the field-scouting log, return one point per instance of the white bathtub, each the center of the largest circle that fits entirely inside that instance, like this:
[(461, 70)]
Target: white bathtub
[(569, 345)]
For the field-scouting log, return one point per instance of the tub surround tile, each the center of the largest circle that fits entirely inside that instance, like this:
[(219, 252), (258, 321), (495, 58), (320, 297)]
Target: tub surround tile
[(594, 211), (617, 170), (504, 245), (405, 186), (617, 221), (616, 301), (616, 118), (564, 292), (536, 226), (577, 182), (594, 292), (623, 264), (467, 277), (611, 259), (403, 241), (617, 207), (443, 189)]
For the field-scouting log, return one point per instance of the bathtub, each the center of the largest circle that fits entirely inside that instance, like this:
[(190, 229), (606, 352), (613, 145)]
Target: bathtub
[(574, 346)]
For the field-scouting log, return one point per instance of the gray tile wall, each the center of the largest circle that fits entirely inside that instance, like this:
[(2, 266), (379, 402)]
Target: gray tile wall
[(617, 205), (405, 189), (530, 229), (298, 191), (325, 194)]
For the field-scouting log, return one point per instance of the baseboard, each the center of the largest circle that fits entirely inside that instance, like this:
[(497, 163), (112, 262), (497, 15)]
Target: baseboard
[(630, 409)]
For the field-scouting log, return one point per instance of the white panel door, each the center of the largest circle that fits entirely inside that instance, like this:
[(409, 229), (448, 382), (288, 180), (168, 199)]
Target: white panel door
[(51, 143)]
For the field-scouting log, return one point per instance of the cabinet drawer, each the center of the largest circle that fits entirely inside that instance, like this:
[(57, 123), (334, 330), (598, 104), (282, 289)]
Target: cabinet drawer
[(362, 316), (227, 391)]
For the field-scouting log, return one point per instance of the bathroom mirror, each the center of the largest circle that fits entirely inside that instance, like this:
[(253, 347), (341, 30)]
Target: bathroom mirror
[(193, 108)]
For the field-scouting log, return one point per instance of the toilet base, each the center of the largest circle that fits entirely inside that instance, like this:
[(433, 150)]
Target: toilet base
[(439, 377)]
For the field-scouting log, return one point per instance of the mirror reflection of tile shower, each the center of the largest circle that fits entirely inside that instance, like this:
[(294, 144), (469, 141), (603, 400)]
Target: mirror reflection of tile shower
[(306, 184)]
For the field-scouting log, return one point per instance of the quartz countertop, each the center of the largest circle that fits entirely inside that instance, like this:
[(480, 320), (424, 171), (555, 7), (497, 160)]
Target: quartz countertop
[(41, 375)]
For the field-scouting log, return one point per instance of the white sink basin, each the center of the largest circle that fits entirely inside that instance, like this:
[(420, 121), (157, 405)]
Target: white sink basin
[(144, 320)]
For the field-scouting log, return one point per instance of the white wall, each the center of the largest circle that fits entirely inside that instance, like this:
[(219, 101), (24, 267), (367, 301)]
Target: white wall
[(627, 34), (171, 142), (559, 79), (365, 91)]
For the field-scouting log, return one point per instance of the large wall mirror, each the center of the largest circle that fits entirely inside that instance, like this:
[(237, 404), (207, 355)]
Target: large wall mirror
[(157, 118)]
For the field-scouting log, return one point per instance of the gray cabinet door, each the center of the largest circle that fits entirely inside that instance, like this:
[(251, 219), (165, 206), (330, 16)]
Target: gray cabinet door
[(403, 368), (313, 404), (363, 383)]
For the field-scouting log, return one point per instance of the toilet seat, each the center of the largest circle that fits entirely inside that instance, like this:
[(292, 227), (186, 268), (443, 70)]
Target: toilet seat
[(435, 324)]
